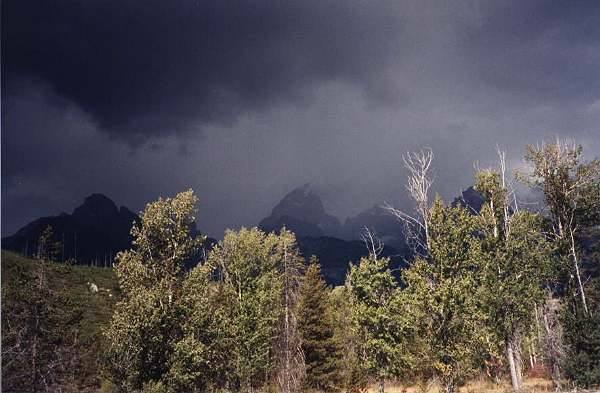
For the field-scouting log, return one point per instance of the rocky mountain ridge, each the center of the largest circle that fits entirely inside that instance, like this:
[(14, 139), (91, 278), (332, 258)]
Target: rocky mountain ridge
[(95, 231)]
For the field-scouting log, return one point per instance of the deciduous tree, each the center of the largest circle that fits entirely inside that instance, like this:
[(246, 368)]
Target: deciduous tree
[(147, 322), (444, 289)]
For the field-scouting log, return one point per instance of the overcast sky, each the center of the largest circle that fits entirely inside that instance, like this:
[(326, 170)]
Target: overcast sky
[(245, 100)]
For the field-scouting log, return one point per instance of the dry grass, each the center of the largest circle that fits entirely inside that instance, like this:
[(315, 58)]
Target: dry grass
[(532, 385)]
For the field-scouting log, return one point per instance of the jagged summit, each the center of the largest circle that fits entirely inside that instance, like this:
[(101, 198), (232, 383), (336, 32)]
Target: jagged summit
[(93, 233), (303, 203), (301, 211), (322, 235), (96, 206)]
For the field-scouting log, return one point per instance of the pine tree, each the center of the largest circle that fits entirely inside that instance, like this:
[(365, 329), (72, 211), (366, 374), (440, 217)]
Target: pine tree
[(48, 249), (322, 354)]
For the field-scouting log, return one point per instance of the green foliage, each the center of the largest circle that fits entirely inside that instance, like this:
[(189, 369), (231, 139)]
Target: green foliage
[(201, 360), (516, 266), (322, 354), (250, 265), (69, 323), (515, 272), (147, 322), (379, 317), (247, 319), (227, 324), (444, 290), (582, 335), (354, 377), (571, 188), (516, 260)]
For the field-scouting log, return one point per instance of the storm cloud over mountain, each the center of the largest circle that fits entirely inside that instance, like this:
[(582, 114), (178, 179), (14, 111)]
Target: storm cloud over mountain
[(244, 101), (164, 66)]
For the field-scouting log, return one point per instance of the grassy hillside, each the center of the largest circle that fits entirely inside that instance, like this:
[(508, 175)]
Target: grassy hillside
[(94, 308)]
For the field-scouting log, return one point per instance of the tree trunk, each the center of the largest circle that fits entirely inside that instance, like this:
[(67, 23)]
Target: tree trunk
[(531, 356), (552, 349), (513, 367), (578, 274), (450, 386), (518, 361), (381, 385)]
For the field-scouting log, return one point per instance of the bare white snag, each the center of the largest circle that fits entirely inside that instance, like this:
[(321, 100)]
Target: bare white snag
[(419, 183), (374, 244)]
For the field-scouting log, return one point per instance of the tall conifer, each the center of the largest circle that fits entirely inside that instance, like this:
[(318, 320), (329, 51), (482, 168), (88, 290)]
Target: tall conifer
[(315, 323)]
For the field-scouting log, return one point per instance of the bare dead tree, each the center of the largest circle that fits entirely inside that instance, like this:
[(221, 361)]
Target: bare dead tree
[(373, 243), (418, 185)]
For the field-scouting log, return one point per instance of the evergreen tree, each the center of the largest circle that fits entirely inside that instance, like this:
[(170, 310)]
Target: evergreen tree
[(582, 334), (322, 354), (48, 249)]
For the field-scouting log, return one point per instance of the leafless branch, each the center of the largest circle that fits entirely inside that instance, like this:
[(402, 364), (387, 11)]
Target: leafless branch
[(373, 243), (418, 185)]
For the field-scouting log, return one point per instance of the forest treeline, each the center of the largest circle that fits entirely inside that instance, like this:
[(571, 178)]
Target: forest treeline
[(490, 292)]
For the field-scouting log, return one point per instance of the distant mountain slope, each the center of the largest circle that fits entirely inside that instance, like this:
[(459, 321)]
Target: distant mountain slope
[(387, 227), (92, 234), (335, 256), (302, 212), (320, 234), (470, 199)]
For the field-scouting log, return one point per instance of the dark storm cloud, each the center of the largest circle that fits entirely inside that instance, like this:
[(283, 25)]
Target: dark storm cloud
[(284, 93), (541, 50), (161, 67)]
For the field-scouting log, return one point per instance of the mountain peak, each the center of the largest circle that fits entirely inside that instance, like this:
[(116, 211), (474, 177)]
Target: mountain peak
[(94, 233), (302, 202), (302, 211), (96, 205)]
